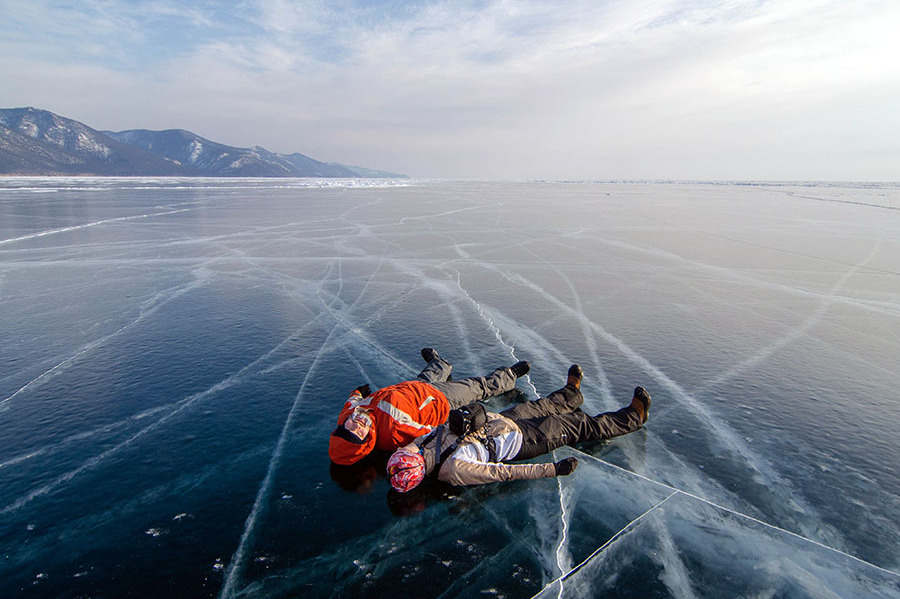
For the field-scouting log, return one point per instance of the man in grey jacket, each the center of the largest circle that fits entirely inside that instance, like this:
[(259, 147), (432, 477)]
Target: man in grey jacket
[(522, 432)]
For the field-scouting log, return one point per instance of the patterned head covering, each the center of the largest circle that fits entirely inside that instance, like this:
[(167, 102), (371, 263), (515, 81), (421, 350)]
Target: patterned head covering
[(405, 469)]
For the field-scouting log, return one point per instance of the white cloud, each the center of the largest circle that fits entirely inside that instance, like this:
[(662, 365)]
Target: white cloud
[(732, 89)]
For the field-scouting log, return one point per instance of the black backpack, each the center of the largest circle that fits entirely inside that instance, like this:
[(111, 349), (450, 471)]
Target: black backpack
[(467, 419), (462, 421)]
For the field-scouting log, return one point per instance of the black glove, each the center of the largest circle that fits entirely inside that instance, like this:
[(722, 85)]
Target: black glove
[(364, 390), (566, 467)]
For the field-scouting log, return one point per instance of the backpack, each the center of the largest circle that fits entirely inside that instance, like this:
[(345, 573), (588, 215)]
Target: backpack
[(462, 421), (467, 419)]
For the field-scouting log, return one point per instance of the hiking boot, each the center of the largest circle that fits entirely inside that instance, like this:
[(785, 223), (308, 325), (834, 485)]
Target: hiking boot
[(641, 403), (520, 369), (576, 373), (429, 354)]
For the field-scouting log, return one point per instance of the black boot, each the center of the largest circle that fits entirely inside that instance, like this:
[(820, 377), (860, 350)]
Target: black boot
[(641, 403), (576, 373), (429, 354), (520, 369)]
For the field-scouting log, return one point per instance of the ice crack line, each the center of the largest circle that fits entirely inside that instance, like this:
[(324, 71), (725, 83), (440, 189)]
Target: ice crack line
[(493, 327), (179, 407), (612, 539), (86, 225), (742, 515), (590, 341), (357, 331), (236, 567), (49, 449), (804, 327), (234, 571), (404, 220), (724, 433), (564, 536), (98, 459), (674, 491), (145, 312)]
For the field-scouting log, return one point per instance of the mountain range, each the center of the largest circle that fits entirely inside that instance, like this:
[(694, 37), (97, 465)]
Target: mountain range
[(39, 142)]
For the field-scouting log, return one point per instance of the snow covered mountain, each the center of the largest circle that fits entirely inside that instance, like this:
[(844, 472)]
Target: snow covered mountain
[(210, 158), (38, 142)]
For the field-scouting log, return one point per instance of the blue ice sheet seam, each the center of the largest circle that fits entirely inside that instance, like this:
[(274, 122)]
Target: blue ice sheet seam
[(730, 511)]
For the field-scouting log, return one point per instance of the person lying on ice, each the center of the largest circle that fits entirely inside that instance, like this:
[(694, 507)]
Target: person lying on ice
[(395, 415), (522, 432)]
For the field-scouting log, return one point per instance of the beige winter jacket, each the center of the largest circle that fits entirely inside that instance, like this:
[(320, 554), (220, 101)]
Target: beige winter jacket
[(466, 471)]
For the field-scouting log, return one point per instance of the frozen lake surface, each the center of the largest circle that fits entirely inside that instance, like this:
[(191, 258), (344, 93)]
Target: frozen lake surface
[(175, 351)]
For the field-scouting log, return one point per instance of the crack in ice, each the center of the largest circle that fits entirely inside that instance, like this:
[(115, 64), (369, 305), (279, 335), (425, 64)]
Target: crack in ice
[(235, 568), (494, 328), (677, 491), (824, 305), (563, 537), (87, 225), (179, 407), (154, 303)]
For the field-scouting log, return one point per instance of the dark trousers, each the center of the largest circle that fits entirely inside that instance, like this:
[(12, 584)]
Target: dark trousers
[(551, 422), (467, 390)]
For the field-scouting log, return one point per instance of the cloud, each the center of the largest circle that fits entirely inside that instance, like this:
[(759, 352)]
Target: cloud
[(488, 88)]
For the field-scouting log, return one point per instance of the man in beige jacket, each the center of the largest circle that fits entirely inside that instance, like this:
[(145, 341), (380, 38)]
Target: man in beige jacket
[(520, 433)]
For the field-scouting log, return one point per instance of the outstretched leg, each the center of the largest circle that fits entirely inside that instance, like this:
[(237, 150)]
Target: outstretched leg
[(543, 435), (561, 401), (437, 369), (479, 388)]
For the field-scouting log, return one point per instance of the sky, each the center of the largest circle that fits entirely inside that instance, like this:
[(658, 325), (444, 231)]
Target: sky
[(485, 89)]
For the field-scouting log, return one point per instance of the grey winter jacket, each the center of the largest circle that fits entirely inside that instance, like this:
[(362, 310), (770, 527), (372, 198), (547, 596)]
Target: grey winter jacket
[(460, 471)]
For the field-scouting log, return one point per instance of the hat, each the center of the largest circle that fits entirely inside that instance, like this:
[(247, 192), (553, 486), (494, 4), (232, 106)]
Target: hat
[(406, 470), (346, 448)]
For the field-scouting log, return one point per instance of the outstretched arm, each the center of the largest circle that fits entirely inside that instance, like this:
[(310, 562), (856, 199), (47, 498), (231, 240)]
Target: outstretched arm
[(463, 472)]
